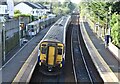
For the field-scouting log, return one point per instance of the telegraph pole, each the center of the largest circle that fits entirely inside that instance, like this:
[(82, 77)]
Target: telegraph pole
[(109, 30), (4, 35), (20, 32)]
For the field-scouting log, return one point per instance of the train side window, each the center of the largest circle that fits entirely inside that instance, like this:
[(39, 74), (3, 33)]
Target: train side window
[(43, 50), (59, 51)]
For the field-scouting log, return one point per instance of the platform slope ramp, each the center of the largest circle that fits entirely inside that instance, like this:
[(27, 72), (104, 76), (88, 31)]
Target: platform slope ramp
[(105, 72), (25, 73)]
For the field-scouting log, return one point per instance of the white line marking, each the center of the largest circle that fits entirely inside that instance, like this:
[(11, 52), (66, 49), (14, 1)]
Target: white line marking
[(15, 54)]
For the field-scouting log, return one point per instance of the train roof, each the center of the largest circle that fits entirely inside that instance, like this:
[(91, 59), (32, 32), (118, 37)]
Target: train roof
[(38, 21), (57, 32), (34, 22)]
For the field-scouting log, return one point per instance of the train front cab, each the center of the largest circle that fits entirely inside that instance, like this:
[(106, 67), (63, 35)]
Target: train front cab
[(51, 56)]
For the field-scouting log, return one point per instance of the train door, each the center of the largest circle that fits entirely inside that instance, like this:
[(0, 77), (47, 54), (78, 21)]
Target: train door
[(51, 55)]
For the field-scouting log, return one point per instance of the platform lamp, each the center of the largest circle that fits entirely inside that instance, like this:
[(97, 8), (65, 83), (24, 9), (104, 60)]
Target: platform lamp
[(109, 27)]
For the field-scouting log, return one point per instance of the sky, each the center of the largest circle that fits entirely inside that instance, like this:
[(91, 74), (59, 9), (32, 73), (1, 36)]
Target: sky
[(76, 1)]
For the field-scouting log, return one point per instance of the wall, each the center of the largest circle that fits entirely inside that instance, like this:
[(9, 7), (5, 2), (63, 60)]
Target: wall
[(12, 34), (114, 50)]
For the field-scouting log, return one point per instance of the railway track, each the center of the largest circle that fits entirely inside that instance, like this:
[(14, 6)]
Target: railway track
[(67, 74), (79, 67), (38, 77), (84, 68)]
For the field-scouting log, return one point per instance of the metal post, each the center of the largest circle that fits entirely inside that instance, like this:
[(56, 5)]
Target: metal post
[(98, 32), (19, 33), (4, 39), (109, 22), (1, 52)]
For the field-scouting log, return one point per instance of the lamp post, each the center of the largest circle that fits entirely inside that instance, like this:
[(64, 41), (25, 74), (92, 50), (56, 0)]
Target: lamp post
[(98, 27), (4, 38), (109, 27), (20, 32)]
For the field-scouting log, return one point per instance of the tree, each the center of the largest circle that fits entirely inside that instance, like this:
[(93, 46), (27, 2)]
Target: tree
[(64, 8), (116, 7), (102, 11), (71, 6), (115, 32), (17, 12)]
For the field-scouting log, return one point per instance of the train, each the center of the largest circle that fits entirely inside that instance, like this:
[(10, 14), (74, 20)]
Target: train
[(34, 27), (51, 51)]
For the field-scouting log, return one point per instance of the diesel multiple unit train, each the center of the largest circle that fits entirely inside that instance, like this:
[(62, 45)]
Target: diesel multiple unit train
[(51, 53)]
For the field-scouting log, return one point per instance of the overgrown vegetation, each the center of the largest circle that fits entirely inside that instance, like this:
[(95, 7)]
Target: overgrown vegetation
[(17, 13), (107, 14), (61, 8)]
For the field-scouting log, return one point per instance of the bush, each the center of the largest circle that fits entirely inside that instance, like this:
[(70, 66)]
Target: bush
[(22, 15), (115, 33)]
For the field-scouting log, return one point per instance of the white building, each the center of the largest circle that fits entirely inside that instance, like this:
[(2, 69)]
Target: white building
[(3, 8), (29, 8), (44, 8), (7, 8)]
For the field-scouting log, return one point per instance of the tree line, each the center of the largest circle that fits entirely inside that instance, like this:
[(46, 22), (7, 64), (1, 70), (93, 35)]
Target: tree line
[(108, 14)]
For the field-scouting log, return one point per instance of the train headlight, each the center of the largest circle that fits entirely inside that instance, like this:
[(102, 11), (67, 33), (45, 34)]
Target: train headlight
[(60, 65), (42, 61)]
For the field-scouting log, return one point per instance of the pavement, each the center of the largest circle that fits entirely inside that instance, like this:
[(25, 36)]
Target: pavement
[(109, 58), (10, 54), (11, 68)]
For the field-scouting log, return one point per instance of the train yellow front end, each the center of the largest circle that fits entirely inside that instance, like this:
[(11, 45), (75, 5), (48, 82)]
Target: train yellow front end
[(51, 57)]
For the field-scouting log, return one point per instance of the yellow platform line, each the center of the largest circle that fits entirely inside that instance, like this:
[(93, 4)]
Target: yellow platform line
[(25, 66)]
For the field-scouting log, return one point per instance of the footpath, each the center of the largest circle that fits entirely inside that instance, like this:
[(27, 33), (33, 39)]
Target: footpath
[(107, 56)]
